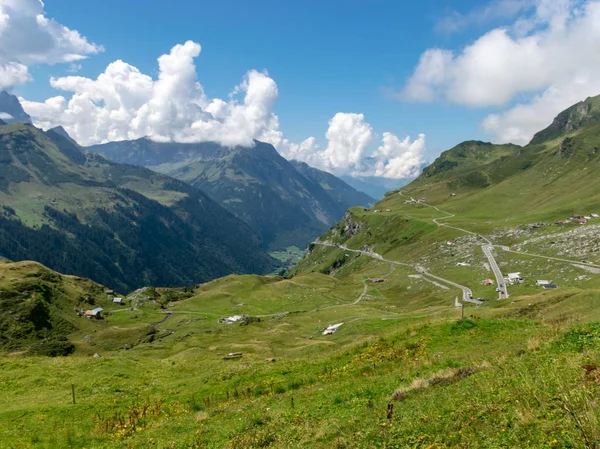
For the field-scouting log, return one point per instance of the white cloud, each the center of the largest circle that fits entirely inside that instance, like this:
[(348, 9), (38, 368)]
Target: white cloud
[(494, 10), (74, 67), (348, 138), (348, 150), (12, 73), (5, 116), (397, 158), (550, 54), (122, 103), (28, 37)]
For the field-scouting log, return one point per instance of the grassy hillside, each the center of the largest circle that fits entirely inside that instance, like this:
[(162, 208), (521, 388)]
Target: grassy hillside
[(413, 364), (37, 308), (120, 225), (469, 164), (523, 374), (550, 179)]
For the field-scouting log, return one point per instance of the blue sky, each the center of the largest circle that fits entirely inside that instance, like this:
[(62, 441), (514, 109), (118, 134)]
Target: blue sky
[(451, 70), (326, 56)]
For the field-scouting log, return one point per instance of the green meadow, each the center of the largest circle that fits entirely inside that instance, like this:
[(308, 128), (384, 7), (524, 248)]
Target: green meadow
[(514, 373), (407, 368)]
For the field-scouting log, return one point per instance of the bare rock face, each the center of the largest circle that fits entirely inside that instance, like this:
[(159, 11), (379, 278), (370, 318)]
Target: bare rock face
[(578, 116), (569, 120), (247, 319), (11, 110), (350, 227)]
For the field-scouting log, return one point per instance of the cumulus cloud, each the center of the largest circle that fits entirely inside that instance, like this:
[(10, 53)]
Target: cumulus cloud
[(123, 103), (348, 138), (348, 150), (12, 73), (397, 158), (28, 37), (549, 55)]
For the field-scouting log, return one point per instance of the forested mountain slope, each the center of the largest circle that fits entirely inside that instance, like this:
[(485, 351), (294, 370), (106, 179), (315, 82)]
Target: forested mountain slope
[(123, 226), (286, 203)]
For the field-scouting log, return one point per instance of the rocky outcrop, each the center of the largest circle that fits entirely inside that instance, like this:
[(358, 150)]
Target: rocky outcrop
[(349, 227), (569, 120)]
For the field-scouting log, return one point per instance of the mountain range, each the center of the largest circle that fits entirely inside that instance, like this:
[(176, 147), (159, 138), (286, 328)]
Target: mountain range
[(124, 226), (287, 203), (415, 356)]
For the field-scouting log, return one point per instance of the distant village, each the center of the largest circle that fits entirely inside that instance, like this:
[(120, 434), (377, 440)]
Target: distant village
[(572, 220), (577, 219), (419, 201)]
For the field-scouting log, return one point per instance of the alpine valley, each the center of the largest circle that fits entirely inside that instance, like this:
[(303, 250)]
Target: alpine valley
[(121, 225), (287, 203), (459, 311)]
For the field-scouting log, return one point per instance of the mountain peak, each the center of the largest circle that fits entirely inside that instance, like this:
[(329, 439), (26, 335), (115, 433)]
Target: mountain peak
[(11, 109), (570, 120), (285, 205), (63, 132)]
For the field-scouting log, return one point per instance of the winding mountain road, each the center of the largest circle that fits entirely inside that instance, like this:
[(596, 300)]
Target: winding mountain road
[(466, 291), (487, 248)]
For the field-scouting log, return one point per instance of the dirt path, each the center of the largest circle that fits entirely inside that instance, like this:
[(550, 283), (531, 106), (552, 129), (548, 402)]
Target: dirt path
[(508, 250)]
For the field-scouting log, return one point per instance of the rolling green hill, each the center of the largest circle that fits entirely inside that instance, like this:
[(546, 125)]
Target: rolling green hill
[(522, 372), (412, 364), (120, 225), (554, 176), (286, 203), (469, 164), (37, 308)]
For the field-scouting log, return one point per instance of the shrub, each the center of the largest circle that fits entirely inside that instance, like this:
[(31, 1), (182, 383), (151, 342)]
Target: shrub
[(463, 325), (54, 348)]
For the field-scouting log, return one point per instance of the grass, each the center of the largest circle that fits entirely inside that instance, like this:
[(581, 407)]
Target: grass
[(524, 388), (290, 256), (511, 372), (522, 372)]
